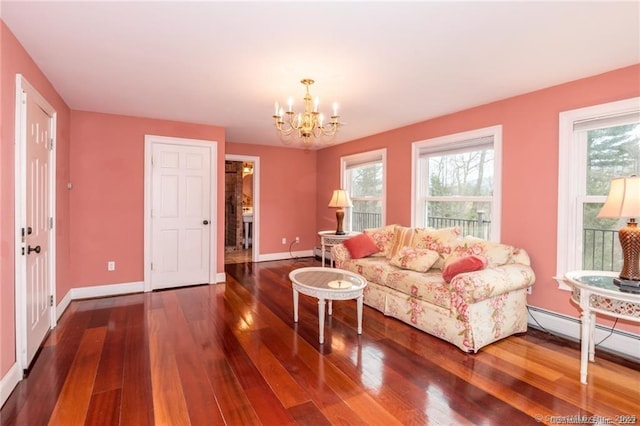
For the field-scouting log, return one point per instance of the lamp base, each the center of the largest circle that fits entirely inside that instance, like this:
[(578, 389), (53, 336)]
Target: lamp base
[(339, 218), (627, 286), (630, 242)]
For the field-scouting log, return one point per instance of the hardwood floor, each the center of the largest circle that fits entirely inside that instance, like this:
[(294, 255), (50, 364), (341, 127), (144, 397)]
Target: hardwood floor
[(237, 256), (231, 354)]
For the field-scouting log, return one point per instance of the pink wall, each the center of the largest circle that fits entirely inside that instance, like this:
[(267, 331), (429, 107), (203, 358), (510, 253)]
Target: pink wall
[(107, 199), (530, 166), (287, 195), (13, 60)]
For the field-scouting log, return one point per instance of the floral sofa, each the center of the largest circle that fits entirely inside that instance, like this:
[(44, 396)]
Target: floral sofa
[(467, 291)]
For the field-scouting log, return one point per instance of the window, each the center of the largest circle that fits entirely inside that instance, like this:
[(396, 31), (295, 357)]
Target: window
[(457, 182), (363, 177), (596, 144)]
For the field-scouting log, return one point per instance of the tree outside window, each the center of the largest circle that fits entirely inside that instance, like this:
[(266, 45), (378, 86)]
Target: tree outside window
[(364, 180), (457, 182), (611, 152)]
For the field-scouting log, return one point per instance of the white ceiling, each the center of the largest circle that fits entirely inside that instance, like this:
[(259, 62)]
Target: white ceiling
[(387, 64)]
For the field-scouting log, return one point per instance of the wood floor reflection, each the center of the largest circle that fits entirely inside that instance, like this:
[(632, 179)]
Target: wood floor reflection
[(231, 354)]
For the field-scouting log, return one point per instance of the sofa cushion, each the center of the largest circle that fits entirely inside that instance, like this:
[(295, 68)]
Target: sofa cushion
[(439, 240), (497, 254), (470, 263), (362, 245), (383, 237), (373, 268), (402, 237), (425, 286), (420, 260)]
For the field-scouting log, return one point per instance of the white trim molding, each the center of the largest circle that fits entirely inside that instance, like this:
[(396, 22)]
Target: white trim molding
[(255, 233), (461, 140), (571, 168), (24, 90), (620, 342), (9, 382), (285, 255)]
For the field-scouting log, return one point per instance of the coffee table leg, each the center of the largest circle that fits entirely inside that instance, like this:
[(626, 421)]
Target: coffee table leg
[(295, 305), (359, 303), (321, 304)]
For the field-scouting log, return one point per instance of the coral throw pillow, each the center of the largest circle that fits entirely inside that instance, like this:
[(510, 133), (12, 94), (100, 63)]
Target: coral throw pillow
[(463, 264), (419, 260), (362, 245)]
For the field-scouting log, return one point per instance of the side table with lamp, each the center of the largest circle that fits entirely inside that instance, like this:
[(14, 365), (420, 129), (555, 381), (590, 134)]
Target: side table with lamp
[(604, 292), (339, 200)]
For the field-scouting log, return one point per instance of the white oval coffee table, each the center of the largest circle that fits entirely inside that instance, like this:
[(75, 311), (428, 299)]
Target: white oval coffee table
[(327, 284)]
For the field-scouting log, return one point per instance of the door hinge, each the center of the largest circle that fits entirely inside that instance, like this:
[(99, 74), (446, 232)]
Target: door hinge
[(51, 144), (51, 223), (152, 266), (51, 300)]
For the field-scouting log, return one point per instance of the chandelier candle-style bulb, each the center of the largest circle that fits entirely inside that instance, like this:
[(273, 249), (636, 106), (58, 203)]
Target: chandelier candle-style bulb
[(306, 125)]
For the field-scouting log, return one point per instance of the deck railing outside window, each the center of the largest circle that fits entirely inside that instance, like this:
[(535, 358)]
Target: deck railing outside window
[(601, 247), (475, 227), (361, 221), (602, 251)]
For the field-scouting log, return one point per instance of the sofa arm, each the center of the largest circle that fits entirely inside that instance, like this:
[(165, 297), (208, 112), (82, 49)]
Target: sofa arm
[(339, 254), (480, 285)]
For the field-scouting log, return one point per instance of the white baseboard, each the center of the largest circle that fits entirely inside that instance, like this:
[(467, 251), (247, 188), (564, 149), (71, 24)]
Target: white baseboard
[(9, 382), (620, 342), (97, 291), (284, 255)]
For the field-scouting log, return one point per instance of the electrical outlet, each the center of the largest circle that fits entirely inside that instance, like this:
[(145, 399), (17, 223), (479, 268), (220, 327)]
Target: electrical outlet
[(111, 265), (297, 239), (284, 240)]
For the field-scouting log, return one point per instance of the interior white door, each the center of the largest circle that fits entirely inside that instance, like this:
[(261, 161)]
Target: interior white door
[(180, 216), (37, 233)]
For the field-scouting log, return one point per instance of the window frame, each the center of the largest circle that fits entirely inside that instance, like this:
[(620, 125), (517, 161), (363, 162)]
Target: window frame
[(571, 177), (448, 143), (364, 158)]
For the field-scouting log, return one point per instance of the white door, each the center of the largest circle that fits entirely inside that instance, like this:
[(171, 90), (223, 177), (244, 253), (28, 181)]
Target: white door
[(180, 215), (37, 232)]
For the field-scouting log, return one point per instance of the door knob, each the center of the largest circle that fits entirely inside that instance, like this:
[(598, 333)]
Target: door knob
[(30, 249), (205, 222)]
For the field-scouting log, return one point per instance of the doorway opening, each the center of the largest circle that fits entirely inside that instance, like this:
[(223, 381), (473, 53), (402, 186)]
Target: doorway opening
[(241, 209)]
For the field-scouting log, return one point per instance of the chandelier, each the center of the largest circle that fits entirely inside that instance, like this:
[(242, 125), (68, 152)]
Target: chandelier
[(307, 125)]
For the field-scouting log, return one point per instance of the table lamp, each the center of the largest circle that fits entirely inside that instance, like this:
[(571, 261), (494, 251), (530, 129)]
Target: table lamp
[(340, 200), (624, 201)]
